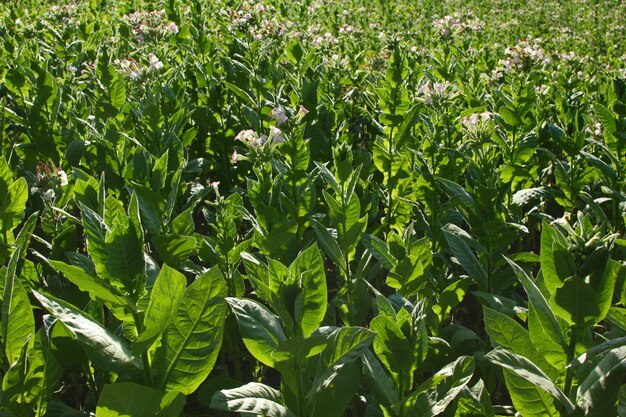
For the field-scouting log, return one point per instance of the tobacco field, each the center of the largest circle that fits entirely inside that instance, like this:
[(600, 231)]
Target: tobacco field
[(312, 208)]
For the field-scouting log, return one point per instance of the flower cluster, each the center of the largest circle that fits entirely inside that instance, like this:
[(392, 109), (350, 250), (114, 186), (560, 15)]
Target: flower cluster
[(153, 23), (478, 127), (65, 14), (134, 70), (451, 25), (438, 95), (524, 56), (48, 180), (259, 147)]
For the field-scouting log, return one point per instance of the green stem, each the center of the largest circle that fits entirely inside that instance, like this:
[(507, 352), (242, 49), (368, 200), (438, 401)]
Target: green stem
[(145, 359), (570, 357)]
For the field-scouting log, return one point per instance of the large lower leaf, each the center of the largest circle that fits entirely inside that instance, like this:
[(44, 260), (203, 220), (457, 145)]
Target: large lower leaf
[(167, 292), (333, 389), (191, 342), (253, 399), (394, 350), (259, 328), (597, 394), (575, 301), (97, 288), (437, 393), (463, 253), (524, 368), (105, 349), (311, 302), (18, 324), (128, 399), (529, 399), (507, 333)]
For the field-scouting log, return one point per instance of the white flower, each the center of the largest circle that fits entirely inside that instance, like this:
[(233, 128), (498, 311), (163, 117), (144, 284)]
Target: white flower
[(135, 75), (155, 63), (246, 136), (48, 195), (172, 28), (62, 178), (276, 135), (278, 114)]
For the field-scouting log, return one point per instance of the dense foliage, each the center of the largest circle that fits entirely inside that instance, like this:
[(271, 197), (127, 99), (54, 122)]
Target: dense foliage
[(315, 208)]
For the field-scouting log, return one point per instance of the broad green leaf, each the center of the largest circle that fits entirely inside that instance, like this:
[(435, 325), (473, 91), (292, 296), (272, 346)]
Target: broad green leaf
[(597, 393), (97, 288), (95, 231), (166, 295), (260, 330), (311, 302), (394, 350), (510, 116), (294, 351), (462, 252), (435, 395), (253, 399), (524, 368), (124, 249), (18, 323), (556, 262), (379, 249), (329, 244), (539, 302), (12, 207), (507, 333), (378, 381), (546, 341), (191, 342), (174, 249), (575, 301), (528, 399), (127, 399), (333, 390), (105, 349)]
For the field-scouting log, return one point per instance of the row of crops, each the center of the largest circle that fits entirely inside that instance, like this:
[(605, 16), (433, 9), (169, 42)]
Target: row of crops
[(312, 208)]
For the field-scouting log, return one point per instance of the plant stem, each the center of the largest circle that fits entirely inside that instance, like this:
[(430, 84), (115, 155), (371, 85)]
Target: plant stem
[(570, 356)]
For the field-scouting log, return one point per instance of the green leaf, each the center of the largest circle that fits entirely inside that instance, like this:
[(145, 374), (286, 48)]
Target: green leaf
[(18, 323), (510, 116), (576, 302), (597, 393), (528, 399), (124, 249), (95, 231), (311, 302), (378, 381), (394, 350), (97, 288), (106, 350), (260, 330), (466, 257), (191, 342), (507, 333), (538, 301), (333, 390), (329, 244), (166, 295), (117, 93), (127, 399), (524, 368), (438, 392), (253, 399), (379, 249), (174, 249)]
